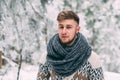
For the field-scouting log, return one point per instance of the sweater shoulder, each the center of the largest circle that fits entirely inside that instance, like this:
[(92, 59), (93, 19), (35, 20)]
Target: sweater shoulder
[(94, 60)]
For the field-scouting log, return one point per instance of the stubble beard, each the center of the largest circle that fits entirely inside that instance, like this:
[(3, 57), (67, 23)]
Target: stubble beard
[(69, 42)]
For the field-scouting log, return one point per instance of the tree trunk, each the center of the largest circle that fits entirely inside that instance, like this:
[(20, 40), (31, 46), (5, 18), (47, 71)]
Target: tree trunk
[(0, 59)]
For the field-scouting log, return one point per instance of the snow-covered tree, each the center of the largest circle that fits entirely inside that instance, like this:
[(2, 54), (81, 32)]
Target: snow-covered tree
[(27, 25)]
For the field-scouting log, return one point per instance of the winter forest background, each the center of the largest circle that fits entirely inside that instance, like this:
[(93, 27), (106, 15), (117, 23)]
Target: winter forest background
[(27, 25)]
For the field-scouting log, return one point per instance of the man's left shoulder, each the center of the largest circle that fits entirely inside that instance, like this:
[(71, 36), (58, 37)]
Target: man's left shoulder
[(94, 60)]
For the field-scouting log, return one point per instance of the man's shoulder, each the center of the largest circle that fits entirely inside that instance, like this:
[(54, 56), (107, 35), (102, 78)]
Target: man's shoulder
[(94, 60)]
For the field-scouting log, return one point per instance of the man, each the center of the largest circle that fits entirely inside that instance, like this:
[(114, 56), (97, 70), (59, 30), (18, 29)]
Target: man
[(69, 56)]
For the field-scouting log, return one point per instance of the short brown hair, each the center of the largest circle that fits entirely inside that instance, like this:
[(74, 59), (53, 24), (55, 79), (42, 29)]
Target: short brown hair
[(67, 14)]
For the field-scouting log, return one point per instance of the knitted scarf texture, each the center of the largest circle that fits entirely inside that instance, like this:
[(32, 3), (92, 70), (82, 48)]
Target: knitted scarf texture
[(65, 60)]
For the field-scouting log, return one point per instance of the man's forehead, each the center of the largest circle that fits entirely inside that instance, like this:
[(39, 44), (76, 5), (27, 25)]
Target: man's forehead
[(68, 21)]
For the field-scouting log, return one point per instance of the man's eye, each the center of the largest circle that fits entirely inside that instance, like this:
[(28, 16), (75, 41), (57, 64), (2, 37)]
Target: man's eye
[(60, 27), (69, 27)]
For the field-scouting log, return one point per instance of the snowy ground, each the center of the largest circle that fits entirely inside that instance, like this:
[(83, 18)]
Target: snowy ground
[(112, 76), (29, 72)]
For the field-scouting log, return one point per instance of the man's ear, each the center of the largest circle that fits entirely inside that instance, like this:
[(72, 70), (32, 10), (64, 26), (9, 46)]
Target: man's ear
[(78, 29)]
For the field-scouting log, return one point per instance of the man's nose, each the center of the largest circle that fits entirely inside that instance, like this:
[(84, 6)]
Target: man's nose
[(64, 30)]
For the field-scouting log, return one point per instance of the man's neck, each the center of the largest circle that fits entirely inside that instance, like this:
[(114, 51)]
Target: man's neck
[(70, 44)]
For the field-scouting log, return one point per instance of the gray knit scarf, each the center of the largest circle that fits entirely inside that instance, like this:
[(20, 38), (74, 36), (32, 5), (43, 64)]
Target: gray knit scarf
[(65, 60)]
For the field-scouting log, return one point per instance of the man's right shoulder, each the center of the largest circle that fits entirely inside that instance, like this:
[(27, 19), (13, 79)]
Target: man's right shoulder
[(94, 60), (42, 59)]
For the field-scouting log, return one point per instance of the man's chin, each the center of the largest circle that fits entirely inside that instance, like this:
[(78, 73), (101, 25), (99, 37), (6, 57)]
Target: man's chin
[(66, 42)]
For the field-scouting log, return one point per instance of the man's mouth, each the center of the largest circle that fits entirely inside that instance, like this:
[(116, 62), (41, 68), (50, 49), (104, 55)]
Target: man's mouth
[(64, 36)]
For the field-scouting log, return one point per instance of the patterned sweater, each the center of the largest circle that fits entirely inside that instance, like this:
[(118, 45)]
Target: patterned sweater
[(90, 70)]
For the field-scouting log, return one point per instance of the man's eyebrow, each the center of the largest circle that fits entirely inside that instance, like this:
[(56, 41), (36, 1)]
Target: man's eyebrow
[(69, 25), (60, 24)]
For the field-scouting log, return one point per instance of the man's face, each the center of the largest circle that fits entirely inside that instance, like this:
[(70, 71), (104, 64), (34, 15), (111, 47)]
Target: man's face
[(67, 30)]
